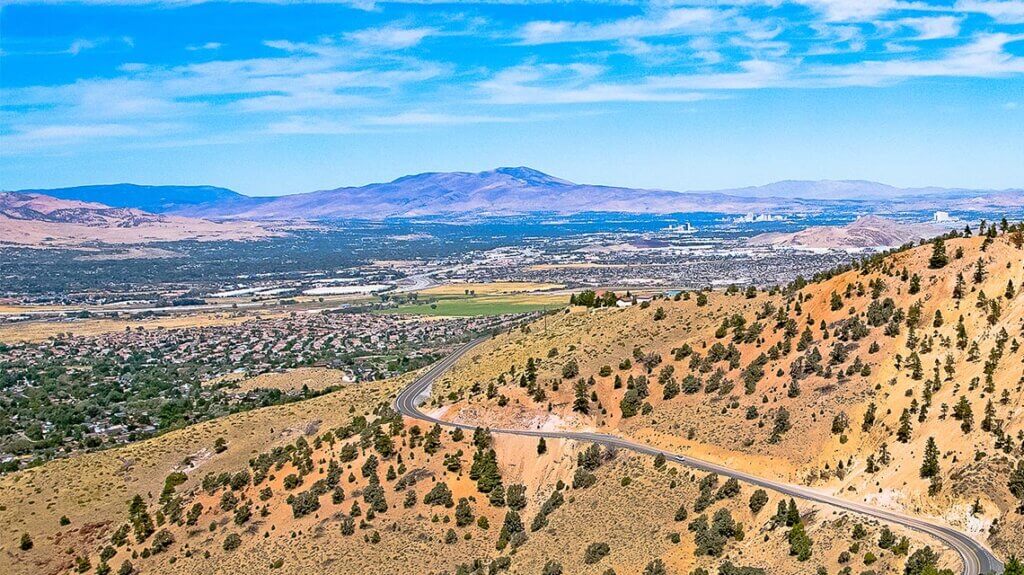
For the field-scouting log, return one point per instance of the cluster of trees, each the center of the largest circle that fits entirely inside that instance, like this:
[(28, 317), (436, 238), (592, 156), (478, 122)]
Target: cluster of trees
[(590, 298)]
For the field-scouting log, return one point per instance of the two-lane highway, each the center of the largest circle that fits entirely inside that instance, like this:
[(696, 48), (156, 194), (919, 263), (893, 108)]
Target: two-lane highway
[(977, 559)]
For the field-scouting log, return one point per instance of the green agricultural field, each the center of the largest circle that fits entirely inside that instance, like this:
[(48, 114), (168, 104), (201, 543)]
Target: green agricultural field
[(461, 306)]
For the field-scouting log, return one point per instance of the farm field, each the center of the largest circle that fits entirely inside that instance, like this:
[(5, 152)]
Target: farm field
[(482, 288), (464, 306)]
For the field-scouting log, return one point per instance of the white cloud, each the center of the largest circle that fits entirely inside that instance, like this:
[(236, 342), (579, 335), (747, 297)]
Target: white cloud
[(32, 138), (650, 54), (762, 49), (932, 27), (206, 46), (984, 57), (837, 39), (1004, 11), (361, 80), (390, 37), (750, 75), (411, 119), (211, 96), (435, 119), (77, 46), (76, 132), (850, 10), (899, 48), (658, 23), (571, 84)]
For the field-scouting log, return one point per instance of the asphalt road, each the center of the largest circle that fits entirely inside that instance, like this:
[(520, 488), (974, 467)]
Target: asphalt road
[(977, 560)]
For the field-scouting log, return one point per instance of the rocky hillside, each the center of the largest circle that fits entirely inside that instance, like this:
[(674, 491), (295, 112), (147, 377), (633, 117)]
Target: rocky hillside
[(867, 232), (379, 495), (897, 381), (341, 484)]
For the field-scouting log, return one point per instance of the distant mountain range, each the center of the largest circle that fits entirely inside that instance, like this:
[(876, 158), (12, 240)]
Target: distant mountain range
[(153, 199), (30, 219), (522, 190)]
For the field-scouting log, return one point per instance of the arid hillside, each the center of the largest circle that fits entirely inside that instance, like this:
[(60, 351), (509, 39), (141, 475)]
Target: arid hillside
[(379, 495), (894, 382), (864, 232), (897, 381)]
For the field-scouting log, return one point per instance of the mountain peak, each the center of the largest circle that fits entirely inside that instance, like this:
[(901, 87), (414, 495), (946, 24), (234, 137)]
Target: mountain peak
[(530, 176)]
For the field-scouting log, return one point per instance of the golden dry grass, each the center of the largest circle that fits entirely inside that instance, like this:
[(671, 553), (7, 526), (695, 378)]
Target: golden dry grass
[(315, 378), (714, 426), (636, 521)]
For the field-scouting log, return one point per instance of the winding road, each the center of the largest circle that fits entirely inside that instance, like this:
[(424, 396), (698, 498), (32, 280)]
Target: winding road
[(977, 560)]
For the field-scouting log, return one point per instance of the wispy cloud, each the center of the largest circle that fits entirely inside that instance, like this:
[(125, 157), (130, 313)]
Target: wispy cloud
[(305, 77), (451, 66), (657, 23), (572, 84), (206, 46), (851, 10), (419, 118), (390, 37), (77, 46), (930, 27), (985, 57), (1004, 11), (837, 39)]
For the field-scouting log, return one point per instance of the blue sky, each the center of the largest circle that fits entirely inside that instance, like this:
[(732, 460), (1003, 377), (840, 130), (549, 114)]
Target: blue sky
[(275, 97)]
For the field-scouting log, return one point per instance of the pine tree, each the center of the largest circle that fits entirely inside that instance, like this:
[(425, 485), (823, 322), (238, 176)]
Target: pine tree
[(836, 302), (1016, 483), (988, 424), (886, 539), (930, 466), (904, 430), (485, 470), (671, 389), (792, 514), (542, 447), (630, 404), (581, 404), (656, 567), (962, 411), (915, 284), (681, 513), (979, 271), (799, 542), (938, 259), (758, 500), (432, 441)]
